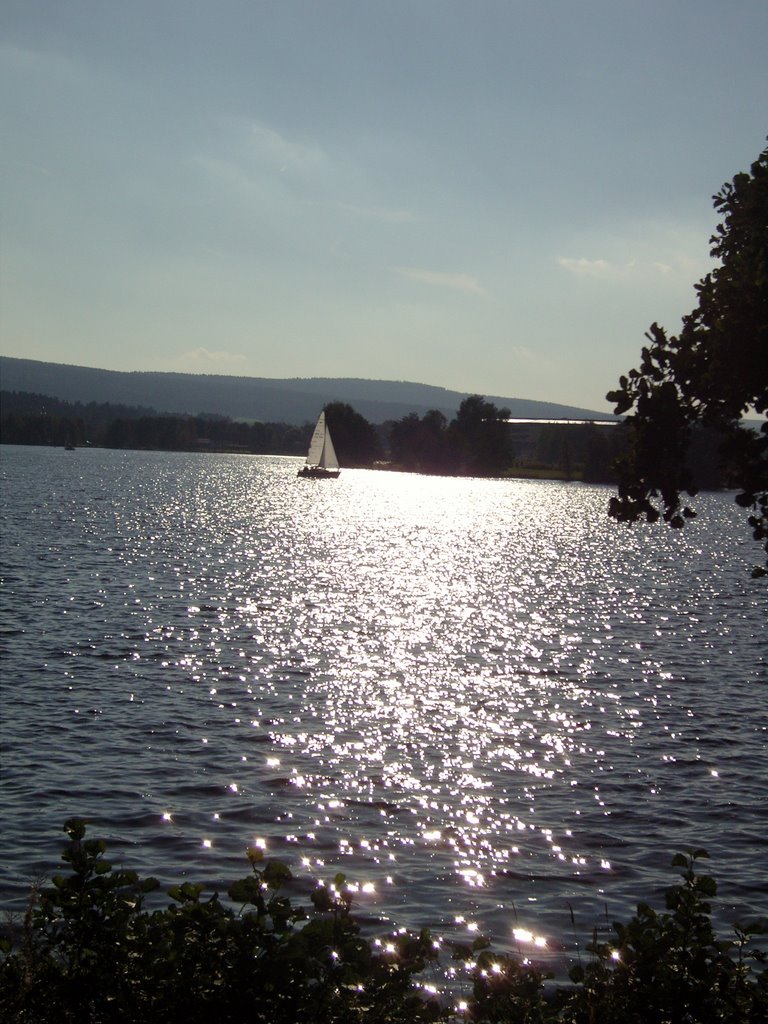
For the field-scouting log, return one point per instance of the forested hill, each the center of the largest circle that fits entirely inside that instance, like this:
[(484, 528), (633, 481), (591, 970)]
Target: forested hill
[(295, 401)]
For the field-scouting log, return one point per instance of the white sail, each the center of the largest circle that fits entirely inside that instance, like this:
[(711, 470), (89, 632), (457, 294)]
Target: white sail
[(316, 445), (328, 458)]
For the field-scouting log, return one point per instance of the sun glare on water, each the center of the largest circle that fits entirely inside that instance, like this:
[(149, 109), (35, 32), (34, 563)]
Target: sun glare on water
[(463, 694)]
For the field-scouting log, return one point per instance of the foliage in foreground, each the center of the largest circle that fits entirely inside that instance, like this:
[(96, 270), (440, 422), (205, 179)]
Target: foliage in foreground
[(89, 951)]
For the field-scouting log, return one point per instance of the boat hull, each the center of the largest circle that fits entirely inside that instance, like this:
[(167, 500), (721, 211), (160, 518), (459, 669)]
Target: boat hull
[(318, 473)]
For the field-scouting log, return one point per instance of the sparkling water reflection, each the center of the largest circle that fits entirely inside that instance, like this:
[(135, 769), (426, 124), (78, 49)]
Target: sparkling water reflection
[(480, 699)]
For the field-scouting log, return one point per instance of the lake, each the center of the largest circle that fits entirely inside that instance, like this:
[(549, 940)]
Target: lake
[(482, 700)]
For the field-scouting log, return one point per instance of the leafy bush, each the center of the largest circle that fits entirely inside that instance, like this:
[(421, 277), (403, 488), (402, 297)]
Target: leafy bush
[(88, 951), (671, 966)]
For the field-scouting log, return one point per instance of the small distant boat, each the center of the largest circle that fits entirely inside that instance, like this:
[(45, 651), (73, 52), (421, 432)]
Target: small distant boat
[(321, 463)]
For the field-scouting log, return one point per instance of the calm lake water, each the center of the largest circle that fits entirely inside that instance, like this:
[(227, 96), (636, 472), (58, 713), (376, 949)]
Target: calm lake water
[(481, 700)]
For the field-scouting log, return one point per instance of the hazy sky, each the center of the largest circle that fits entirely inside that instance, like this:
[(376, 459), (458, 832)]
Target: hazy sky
[(496, 196)]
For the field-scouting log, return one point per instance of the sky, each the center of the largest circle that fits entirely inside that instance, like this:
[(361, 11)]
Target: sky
[(493, 196)]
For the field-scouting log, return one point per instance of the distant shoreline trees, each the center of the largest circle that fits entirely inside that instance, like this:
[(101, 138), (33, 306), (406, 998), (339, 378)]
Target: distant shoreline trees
[(43, 420), (477, 442), (480, 442)]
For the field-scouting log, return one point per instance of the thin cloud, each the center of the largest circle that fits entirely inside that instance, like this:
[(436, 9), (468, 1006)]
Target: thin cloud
[(259, 162), (285, 152), (634, 270), (381, 213), (585, 267), (202, 360), (526, 355), (456, 282)]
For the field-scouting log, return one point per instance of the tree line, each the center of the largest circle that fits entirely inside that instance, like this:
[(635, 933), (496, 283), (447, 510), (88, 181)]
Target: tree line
[(43, 420), (478, 441)]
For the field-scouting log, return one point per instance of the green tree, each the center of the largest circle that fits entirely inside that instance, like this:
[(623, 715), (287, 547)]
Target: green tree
[(712, 374), (422, 444), (482, 436), (354, 438)]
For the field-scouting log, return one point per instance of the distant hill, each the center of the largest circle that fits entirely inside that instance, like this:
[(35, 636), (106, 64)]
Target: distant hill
[(293, 400)]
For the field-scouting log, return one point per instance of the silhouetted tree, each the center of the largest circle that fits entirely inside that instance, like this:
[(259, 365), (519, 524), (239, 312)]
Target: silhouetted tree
[(601, 446), (481, 435), (403, 441), (422, 444), (354, 438), (713, 373), (588, 451)]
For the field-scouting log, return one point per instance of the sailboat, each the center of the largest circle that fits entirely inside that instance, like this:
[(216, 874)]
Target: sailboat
[(321, 463)]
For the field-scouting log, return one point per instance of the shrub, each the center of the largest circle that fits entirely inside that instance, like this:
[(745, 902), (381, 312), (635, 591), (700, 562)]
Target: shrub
[(89, 951)]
